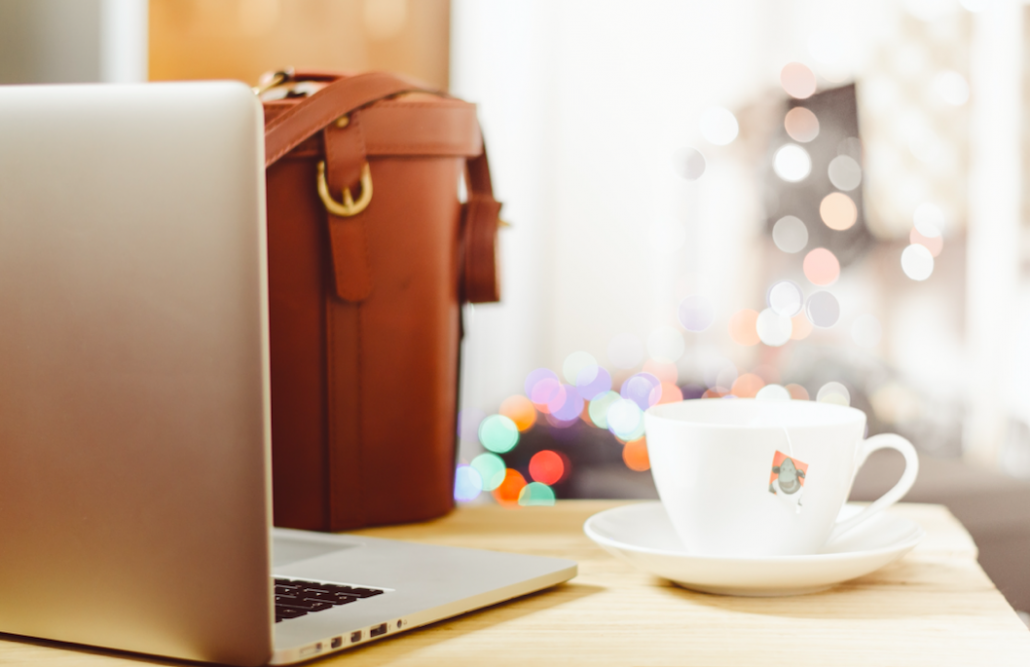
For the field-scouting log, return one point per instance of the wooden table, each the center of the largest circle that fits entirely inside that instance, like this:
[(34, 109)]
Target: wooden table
[(935, 607)]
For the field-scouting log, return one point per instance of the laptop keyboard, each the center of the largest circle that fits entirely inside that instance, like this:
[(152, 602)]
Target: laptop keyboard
[(296, 597)]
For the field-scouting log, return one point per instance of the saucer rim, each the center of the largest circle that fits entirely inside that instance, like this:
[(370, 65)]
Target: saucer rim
[(901, 545)]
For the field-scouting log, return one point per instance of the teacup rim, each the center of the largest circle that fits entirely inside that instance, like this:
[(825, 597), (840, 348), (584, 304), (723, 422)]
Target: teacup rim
[(849, 414)]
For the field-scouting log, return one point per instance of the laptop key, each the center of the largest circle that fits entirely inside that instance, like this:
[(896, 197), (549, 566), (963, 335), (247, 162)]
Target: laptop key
[(358, 592), (326, 596), (291, 602), (287, 612)]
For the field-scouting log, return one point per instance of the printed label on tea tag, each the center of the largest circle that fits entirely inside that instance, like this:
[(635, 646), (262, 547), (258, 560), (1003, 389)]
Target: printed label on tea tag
[(787, 480)]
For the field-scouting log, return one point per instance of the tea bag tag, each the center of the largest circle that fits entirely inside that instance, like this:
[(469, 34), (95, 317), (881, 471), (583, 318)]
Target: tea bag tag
[(787, 479)]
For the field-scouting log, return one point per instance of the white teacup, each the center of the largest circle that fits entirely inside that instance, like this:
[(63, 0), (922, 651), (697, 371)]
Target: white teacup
[(750, 477)]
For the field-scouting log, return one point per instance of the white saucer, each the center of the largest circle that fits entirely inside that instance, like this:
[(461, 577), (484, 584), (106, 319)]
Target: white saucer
[(642, 535)]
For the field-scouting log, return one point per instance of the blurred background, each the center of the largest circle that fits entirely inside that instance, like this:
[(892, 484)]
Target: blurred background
[(808, 199)]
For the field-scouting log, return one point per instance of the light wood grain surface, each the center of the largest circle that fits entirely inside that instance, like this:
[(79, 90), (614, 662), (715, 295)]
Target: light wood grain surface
[(935, 607)]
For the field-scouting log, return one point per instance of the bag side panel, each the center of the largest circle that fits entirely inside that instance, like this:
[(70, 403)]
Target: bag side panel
[(297, 266), (409, 328)]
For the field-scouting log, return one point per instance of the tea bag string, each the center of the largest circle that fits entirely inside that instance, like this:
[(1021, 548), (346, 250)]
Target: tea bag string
[(790, 445)]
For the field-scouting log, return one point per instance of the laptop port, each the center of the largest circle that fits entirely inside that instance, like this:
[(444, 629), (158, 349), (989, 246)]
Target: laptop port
[(337, 642), (355, 637), (377, 630)]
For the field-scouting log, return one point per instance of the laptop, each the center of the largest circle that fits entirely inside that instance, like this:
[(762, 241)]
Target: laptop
[(135, 508)]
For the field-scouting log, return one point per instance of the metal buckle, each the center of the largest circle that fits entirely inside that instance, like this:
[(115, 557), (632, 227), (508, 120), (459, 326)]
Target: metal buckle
[(348, 207)]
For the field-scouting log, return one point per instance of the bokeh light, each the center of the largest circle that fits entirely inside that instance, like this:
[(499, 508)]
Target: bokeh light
[(798, 80), (785, 298), (598, 409), (951, 87), (821, 267), (790, 234), (520, 410), (571, 406), (536, 377), (536, 494), (800, 327), (833, 392), (934, 244), (498, 434), (634, 454), (696, 313), (467, 484), (508, 491), (547, 467), (917, 262), (643, 389), (747, 386), (548, 395), (625, 351), (491, 470), (822, 310), (593, 381), (801, 125), (576, 362), (625, 419), (792, 163), (665, 345), (743, 327), (838, 211), (773, 329), (718, 126), (797, 392), (773, 392), (866, 331), (844, 172), (690, 163), (670, 393)]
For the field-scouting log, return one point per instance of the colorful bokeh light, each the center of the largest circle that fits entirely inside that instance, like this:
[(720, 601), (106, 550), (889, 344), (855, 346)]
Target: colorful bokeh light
[(536, 494), (491, 470), (634, 455), (747, 386), (598, 409), (593, 381), (821, 267), (547, 467), (520, 410), (838, 211), (797, 392), (467, 484), (643, 389), (801, 124), (508, 491), (498, 433), (798, 80)]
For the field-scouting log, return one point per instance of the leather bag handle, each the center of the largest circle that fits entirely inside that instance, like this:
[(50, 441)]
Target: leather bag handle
[(480, 213), (286, 131)]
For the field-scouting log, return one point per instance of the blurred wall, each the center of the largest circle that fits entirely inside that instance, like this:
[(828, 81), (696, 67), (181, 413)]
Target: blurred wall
[(72, 41), (241, 39)]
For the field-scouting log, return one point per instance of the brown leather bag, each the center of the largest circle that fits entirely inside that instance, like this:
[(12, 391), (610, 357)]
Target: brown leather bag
[(370, 254)]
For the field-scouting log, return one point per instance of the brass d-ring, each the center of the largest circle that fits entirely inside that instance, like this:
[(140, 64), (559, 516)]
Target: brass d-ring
[(348, 207)]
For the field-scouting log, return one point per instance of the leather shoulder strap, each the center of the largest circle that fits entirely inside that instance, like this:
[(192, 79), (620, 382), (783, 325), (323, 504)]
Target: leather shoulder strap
[(342, 96)]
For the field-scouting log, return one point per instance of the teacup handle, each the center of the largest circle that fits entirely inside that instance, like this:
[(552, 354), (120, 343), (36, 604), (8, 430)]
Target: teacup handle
[(908, 478)]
